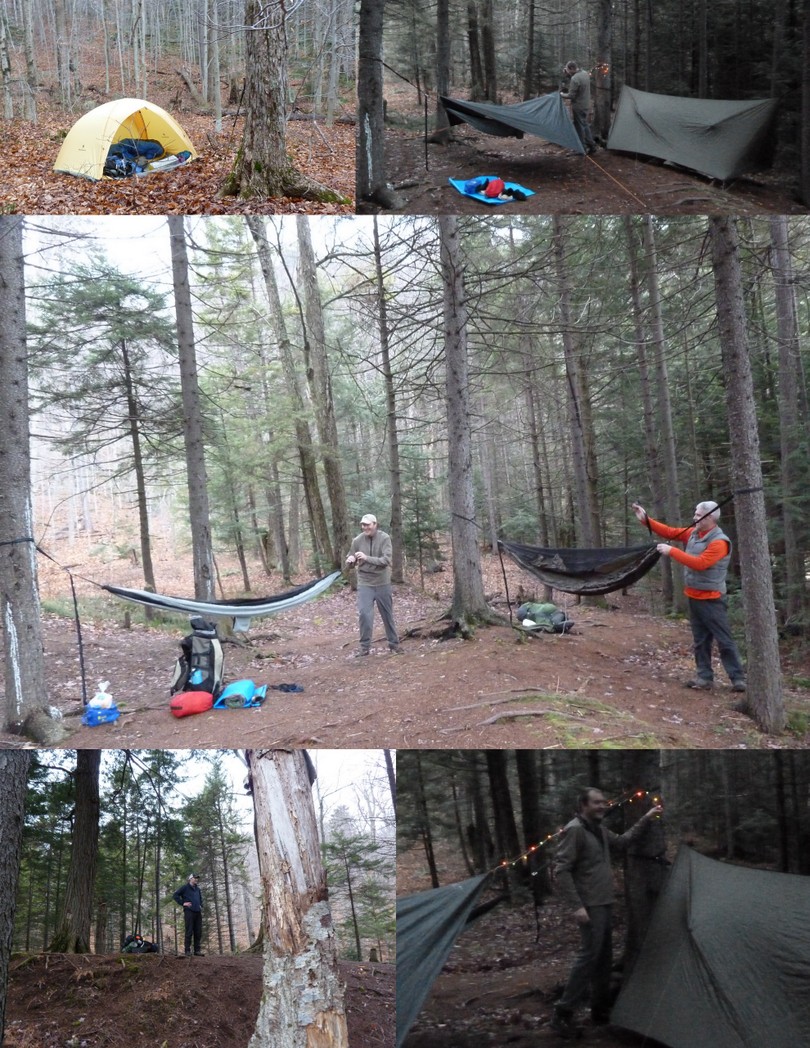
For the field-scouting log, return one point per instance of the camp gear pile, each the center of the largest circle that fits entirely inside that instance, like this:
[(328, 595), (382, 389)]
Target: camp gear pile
[(200, 666), (489, 189), (543, 618), (88, 146)]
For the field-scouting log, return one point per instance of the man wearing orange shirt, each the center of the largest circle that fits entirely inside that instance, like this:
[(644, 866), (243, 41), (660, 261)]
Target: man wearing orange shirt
[(708, 552)]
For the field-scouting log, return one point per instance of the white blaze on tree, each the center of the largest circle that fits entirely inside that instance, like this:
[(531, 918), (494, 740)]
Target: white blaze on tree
[(302, 1002)]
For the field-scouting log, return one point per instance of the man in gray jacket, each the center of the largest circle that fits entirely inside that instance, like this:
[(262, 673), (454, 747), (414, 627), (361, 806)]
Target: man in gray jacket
[(579, 95), (584, 879), (371, 554)]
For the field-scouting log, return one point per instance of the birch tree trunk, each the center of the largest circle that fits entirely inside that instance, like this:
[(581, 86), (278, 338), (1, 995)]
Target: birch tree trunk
[(26, 706), (765, 698), (72, 933), (13, 787), (196, 475), (469, 604), (302, 1003)]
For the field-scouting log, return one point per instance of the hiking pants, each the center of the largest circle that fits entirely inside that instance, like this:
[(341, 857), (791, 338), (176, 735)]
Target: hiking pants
[(382, 596), (193, 919), (583, 128), (709, 622), (590, 976)]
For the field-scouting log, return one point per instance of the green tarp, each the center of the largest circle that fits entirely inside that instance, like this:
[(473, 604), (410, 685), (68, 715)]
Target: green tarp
[(544, 116), (428, 924), (726, 960), (717, 138)]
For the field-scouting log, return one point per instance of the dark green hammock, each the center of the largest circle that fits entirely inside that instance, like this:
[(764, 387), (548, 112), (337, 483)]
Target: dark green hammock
[(589, 572)]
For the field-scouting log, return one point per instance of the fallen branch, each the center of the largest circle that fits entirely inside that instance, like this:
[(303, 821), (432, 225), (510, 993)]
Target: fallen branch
[(526, 713), (491, 702)]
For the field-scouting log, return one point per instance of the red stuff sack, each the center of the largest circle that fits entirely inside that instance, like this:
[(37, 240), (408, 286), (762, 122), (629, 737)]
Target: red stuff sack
[(495, 187), (187, 702)]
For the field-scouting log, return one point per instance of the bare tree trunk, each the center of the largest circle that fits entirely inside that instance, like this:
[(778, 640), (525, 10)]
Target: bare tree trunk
[(804, 184), (72, 933), (488, 48), (790, 429), (579, 408), (477, 93), (469, 604), (320, 385), (13, 788), (667, 430), (395, 472), (134, 415), (26, 700), (442, 132), (302, 1003), (306, 455), (196, 475), (263, 167), (643, 877), (392, 779), (603, 72), (765, 698), (371, 177), (31, 75)]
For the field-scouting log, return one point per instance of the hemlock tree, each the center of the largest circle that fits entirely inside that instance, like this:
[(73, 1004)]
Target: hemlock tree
[(13, 786), (72, 933), (469, 603), (765, 699), (302, 1003), (263, 167), (26, 705)]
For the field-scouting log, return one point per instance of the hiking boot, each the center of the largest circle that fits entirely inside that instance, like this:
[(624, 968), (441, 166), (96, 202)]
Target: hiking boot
[(699, 684), (563, 1025), (359, 654), (738, 685), (197, 954), (396, 650)]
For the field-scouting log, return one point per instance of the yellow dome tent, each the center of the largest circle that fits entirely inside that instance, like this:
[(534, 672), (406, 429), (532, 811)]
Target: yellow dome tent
[(86, 145)]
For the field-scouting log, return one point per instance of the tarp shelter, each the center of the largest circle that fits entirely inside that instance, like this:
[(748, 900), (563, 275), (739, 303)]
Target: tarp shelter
[(428, 924), (86, 145), (726, 960), (586, 571), (544, 116), (715, 137)]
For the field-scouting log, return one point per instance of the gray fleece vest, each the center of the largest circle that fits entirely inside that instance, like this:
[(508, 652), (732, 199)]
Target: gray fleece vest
[(713, 578)]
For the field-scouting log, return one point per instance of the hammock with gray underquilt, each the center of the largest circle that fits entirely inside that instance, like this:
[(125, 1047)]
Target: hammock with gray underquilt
[(242, 611)]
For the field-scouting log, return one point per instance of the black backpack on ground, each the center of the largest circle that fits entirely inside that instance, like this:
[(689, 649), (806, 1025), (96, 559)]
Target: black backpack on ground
[(200, 665), (137, 944)]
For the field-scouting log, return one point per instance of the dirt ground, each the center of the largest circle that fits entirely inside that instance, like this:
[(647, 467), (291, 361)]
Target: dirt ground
[(616, 680), (503, 975), (567, 183), (163, 1001)]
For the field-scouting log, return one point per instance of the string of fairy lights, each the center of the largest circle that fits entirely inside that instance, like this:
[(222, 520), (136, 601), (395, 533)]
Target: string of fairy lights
[(635, 795)]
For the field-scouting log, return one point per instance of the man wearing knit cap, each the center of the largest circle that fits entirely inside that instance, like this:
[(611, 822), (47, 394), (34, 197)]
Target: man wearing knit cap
[(189, 896), (371, 555)]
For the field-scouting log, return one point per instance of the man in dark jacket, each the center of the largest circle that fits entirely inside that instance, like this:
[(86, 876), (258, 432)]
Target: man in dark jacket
[(585, 881), (579, 95), (189, 896)]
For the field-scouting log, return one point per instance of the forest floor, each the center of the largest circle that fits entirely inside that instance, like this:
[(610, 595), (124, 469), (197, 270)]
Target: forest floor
[(563, 182), (504, 973), (164, 1001), (615, 681), (29, 185)]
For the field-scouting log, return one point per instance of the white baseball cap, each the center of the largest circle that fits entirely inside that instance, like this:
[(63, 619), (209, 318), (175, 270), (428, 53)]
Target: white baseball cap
[(369, 518)]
